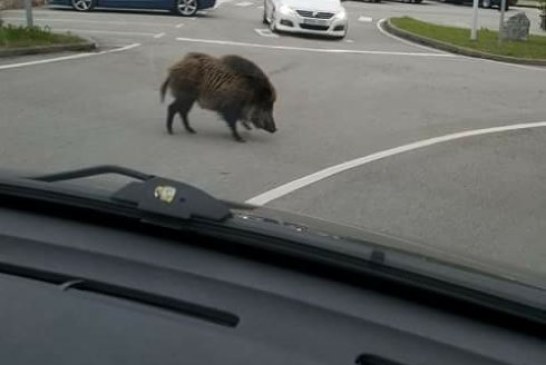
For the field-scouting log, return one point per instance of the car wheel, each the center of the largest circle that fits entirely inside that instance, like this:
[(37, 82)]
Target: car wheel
[(486, 4), (417, 1), (186, 7), (82, 5)]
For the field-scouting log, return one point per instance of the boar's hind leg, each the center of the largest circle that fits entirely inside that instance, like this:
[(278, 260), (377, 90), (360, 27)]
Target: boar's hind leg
[(184, 107), (171, 111)]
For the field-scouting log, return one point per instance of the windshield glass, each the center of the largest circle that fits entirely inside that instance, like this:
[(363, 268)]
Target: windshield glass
[(413, 119)]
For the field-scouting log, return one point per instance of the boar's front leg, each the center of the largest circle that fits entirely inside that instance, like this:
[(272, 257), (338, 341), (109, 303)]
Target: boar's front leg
[(231, 118), (246, 125)]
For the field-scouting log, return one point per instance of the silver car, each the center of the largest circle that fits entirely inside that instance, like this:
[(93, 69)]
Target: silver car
[(321, 17)]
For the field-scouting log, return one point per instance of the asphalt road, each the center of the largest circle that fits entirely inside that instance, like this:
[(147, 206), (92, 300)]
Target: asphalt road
[(480, 195)]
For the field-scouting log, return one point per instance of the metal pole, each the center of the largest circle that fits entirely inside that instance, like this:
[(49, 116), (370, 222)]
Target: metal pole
[(28, 8), (474, 31), (501, 22)]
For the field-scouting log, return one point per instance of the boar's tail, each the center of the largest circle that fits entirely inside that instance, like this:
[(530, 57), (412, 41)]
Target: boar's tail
[(163, 89)]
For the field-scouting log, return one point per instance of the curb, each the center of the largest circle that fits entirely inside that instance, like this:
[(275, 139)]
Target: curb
[(524, 6), (76, 47), (390, 28)]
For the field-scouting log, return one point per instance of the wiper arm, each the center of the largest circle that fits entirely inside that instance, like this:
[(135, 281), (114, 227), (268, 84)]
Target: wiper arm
[(93, 171), (152, 196), (171, 198)]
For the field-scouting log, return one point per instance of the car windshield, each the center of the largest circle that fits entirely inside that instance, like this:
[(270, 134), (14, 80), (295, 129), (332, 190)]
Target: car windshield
[(421, 119)]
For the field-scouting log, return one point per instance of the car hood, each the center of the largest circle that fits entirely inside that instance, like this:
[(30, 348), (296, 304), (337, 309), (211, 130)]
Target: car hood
[(412, 246), (320, 5)]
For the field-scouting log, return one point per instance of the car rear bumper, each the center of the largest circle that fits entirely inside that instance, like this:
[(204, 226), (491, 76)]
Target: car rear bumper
[(206, 4), (295, 24), (59, 2)]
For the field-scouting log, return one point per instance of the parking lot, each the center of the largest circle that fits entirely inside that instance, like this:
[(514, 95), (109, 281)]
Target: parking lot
[(359, 122)]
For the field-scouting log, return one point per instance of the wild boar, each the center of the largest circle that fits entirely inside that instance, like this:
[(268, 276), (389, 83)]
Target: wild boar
[(236, 88)]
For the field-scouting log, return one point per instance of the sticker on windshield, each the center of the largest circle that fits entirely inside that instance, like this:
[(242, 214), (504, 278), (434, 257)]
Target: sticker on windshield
[(165, 193)]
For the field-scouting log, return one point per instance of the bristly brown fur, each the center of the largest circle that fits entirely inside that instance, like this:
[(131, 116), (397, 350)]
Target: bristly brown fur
[(233, 86)]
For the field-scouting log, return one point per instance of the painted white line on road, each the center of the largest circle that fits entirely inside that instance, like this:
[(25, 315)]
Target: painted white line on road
[(379, 26), (159, 35), (260, 6), (319, 50), (243, 3), (65, 58), (366, 19), (292, 186), (349, 41), (65, 20), (266, 33), (74, 30), (179, 25)]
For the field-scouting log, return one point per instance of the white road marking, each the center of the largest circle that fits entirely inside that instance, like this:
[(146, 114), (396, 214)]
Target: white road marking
[(260, 6), (366, 19), (292, 186), (349, 41), (243, 3), (266, 33), (73, 30), (159, 35), (71, 57), (319, 50), (179, 25)]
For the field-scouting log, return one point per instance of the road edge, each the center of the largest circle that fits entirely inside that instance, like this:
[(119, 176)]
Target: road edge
[(429, 42), (86, 46)]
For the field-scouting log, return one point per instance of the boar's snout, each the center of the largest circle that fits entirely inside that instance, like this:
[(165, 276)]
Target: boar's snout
[(269, 123), (263, 119), (271, 128)]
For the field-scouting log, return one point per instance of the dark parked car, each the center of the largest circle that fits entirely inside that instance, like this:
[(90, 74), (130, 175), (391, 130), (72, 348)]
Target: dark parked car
[(497, 3), (486, 3), (182, 7)]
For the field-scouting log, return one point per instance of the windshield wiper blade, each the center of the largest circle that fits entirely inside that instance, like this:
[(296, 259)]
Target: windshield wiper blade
[(92, 172), (152, 195)]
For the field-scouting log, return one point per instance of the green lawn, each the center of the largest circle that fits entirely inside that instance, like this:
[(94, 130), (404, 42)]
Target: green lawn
[(534, 48), (16, 37)]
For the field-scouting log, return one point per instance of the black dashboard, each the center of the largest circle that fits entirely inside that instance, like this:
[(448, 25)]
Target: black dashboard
[(78, 291)]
